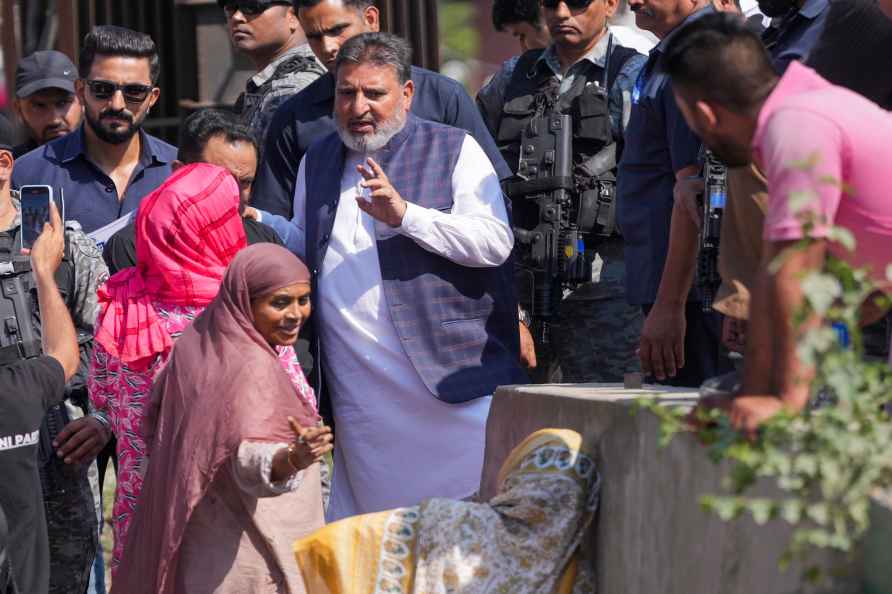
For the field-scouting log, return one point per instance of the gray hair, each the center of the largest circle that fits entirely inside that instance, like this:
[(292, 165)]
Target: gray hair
[(381, 49)]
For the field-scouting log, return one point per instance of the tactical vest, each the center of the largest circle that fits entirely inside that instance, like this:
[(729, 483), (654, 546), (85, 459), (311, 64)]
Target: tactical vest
[(247, 103), (19, 334), (534, 90)]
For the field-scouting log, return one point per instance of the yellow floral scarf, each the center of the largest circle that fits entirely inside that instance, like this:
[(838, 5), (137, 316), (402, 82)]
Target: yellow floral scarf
[(522, 542)]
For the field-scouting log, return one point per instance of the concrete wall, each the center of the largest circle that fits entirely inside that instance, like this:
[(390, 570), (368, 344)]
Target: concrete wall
[(878, 547), (652, 537)]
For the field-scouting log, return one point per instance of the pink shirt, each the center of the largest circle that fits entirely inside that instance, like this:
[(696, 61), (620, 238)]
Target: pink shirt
[(844, 137)]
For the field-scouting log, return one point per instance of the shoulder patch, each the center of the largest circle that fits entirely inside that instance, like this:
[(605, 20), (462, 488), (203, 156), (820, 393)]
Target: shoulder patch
[(297, 64), (79, 245)]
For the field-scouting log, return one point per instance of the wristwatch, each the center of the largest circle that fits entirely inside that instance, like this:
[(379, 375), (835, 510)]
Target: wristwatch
[(524, 317)]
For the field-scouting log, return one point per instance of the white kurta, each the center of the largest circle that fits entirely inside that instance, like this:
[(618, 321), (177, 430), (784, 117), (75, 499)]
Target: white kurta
[(397, 444)]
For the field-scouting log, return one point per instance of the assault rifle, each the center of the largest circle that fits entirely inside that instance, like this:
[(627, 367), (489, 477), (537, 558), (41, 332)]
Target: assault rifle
[(716, 180), (569, 213)]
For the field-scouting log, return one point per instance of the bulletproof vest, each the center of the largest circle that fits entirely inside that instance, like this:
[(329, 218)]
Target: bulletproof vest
[(247, 102), (535, 91)]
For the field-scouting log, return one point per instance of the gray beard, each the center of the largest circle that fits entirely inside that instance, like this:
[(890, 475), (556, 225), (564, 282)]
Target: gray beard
[(369, 143)]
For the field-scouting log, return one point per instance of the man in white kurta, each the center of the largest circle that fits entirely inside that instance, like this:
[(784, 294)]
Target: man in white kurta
[(396, 443)]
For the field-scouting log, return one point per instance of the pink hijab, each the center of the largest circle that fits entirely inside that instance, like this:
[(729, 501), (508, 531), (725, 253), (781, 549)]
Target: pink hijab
[(222, 385), (187, 232)]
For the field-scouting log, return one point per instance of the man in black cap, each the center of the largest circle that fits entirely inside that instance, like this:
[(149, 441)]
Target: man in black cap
[(44, 98)]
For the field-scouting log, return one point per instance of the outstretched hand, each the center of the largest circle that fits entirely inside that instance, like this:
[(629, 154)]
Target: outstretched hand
[(310, 444), (384, 204)]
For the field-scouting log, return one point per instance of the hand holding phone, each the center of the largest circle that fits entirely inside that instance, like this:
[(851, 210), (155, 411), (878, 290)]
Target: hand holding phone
[(49, 248), (35, 210)]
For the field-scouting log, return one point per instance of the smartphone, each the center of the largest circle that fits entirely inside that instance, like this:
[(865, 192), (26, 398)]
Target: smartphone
[(35, 204)]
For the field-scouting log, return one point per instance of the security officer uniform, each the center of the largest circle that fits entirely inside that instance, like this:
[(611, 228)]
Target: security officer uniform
[(264, 92), (595, 333), (70, 493)]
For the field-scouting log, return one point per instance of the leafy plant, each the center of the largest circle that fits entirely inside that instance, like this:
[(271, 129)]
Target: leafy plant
[(830, 459)]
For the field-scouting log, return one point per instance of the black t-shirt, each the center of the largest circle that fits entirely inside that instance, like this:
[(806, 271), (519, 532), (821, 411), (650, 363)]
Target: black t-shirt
[(120, 250), (7, 586), (27, 390)]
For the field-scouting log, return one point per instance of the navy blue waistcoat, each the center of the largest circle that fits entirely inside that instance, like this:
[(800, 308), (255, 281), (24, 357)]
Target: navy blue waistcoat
[(458, 325)]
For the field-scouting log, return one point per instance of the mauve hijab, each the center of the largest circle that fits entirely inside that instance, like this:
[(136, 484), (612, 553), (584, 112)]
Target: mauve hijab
[(222, 385)]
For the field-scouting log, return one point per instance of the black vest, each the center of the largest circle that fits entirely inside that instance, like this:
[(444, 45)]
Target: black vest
[(534, 90)]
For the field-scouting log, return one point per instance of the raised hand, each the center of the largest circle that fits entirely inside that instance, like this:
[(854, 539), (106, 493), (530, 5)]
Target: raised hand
[(309, 445), (48, 250), (384, 204)]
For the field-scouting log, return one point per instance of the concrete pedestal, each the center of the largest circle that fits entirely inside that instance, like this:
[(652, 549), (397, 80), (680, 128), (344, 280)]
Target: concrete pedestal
[(652, 536), (878, 547)]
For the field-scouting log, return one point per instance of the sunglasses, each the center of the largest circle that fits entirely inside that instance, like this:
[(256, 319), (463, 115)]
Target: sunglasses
[(133, 92), (250, 8), (571, 4)]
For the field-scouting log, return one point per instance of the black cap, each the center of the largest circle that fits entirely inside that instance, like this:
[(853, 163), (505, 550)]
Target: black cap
[(44, 70), (7, 134)]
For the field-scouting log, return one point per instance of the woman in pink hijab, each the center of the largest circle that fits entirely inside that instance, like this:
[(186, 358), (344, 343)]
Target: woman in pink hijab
[(187, 233), (233, 473)]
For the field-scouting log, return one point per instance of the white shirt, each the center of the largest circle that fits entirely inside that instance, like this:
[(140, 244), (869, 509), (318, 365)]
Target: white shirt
[(396, 443), (633, 37)]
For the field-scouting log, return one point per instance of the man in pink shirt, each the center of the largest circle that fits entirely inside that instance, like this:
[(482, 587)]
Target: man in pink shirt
[(811, 139)]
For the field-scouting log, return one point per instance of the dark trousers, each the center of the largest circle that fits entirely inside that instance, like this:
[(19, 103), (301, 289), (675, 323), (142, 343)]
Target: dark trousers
[(704, 355)]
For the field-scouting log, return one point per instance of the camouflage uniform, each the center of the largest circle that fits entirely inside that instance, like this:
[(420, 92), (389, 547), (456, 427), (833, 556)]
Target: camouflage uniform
[(272, 86), (71, 499), (595, 335)]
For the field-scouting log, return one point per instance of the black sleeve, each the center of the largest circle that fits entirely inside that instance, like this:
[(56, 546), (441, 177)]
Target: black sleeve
[(260, 233), (855, 33), (273, 189), (33, 385), (120, 250), (76, 389)]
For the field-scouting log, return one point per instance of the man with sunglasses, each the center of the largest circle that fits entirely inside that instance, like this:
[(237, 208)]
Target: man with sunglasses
[(307, 116), (587, 74), (109, 164), (269, 34)]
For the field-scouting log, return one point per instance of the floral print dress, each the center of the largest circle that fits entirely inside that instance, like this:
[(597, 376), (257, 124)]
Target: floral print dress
[(121, 395)]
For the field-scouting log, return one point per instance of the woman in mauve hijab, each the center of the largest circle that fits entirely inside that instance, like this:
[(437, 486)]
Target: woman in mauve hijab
[(187, 233), (234, 451)]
